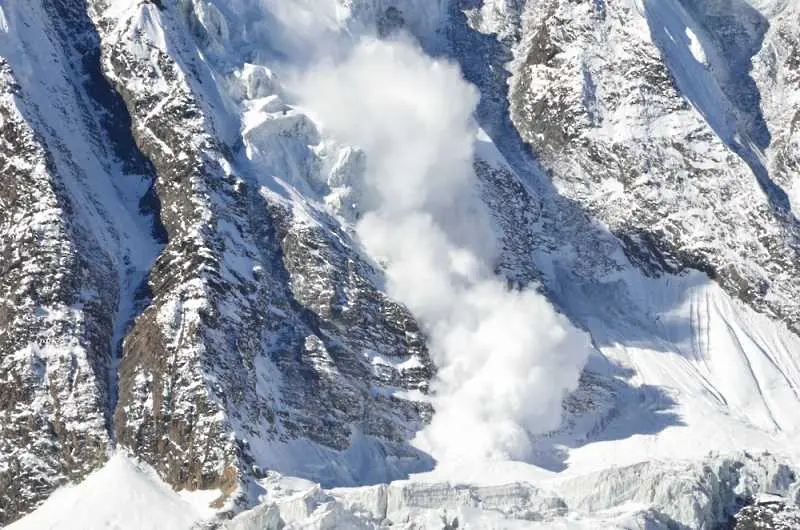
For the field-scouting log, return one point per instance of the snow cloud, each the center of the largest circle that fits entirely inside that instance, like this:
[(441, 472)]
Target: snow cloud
[(506, 359)]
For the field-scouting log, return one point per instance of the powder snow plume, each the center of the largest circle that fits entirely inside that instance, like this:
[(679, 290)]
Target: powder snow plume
[(506, 359)]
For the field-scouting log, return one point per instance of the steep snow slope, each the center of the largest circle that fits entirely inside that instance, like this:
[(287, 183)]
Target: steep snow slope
[(122, 495), (708, 375)]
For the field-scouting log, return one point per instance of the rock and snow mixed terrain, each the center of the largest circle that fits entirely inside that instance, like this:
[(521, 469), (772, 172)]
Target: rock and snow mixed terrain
[(410, 263)]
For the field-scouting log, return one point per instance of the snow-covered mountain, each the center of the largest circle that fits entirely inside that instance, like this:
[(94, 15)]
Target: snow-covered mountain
[(361, 263)]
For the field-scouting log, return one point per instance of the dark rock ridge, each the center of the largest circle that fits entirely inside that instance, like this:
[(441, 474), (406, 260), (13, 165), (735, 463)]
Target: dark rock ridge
[(70, 170)]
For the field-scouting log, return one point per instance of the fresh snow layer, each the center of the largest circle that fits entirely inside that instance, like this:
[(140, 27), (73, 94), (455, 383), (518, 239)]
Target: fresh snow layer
[(122, 495)]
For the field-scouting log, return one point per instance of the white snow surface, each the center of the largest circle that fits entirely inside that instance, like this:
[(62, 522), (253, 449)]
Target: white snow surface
[(122, 495)]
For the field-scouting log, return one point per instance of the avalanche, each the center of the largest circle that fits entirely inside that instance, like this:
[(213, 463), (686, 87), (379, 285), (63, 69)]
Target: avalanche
[(621, 171)]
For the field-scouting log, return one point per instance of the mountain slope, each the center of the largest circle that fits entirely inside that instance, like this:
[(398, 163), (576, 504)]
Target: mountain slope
[(190, 271), (76, 246), (122, 494)]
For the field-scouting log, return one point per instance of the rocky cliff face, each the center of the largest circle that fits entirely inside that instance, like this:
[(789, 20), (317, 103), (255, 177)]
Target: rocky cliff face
[(233, 319), (179, 270), (74, 244), (266, 325), (651, 116)]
